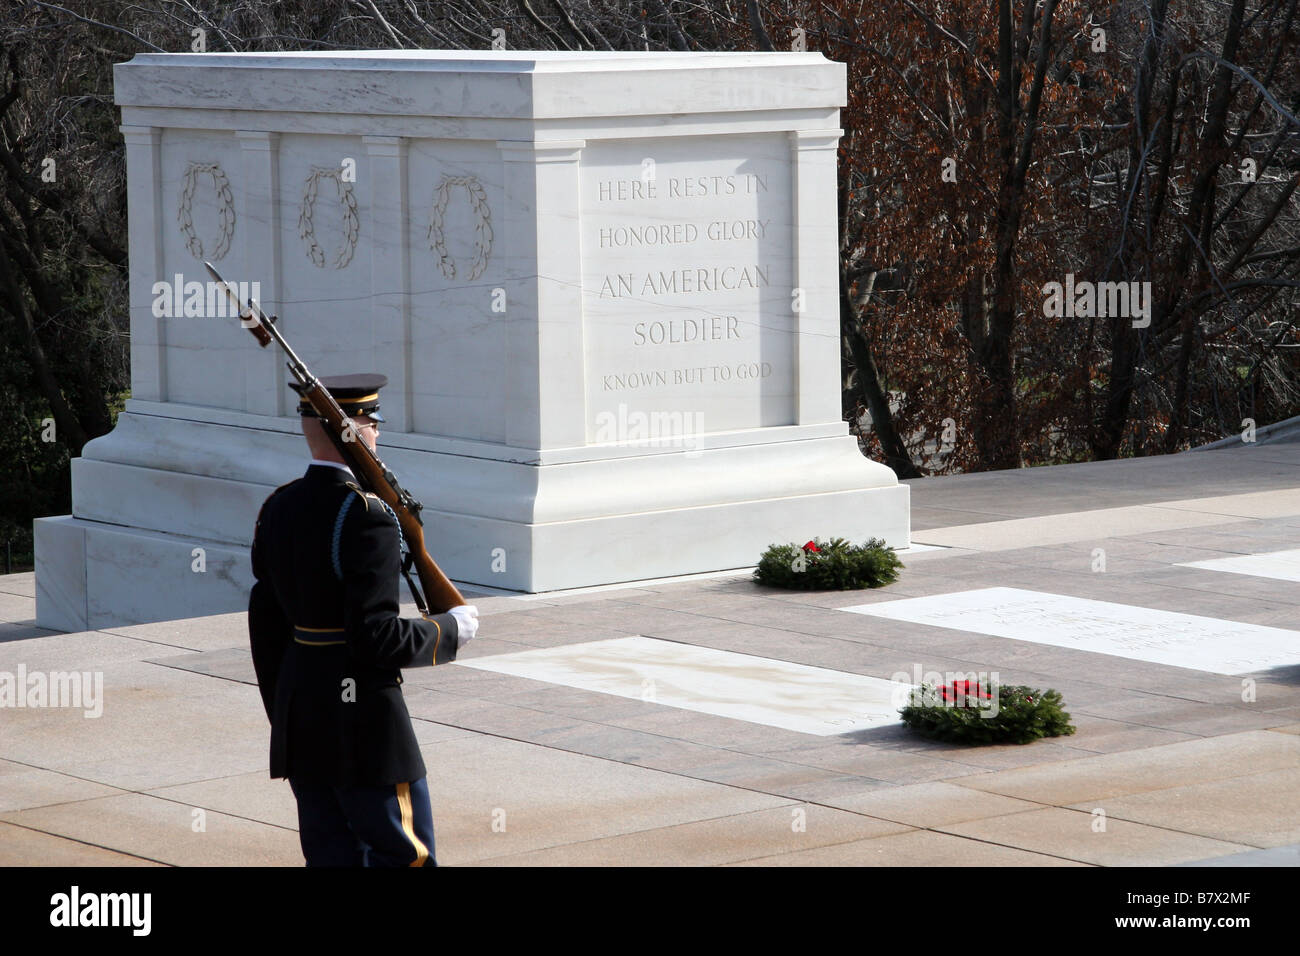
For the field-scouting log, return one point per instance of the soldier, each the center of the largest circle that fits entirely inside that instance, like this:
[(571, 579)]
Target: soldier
[(328, 646)]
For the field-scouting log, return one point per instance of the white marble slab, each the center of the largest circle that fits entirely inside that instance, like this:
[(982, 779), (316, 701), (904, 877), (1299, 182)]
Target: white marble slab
[(1121, 630), (810, 700), (1282, 565)]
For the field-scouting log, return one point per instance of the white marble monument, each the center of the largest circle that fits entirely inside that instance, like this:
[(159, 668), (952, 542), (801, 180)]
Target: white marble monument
[(603, 288)]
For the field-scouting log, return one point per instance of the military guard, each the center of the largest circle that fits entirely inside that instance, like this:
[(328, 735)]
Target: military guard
[(328, 647)]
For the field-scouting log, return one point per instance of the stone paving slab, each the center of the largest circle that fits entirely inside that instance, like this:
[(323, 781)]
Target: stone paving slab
[(1112, 775), (23, 584), (544, 797), (996, 757), (159, 725), (877, 763), (1192, 717), (720, 840), (1102, 735), (144, 768), (228, 663), (1071, 834), (211, 633), (1060, 528), (914, 848), (23, 787), (1119, 549), (1132, 481), (1275, 534), (163, 830), (1273, 856), (15, 607), (1225, 543), (595, 739), (1282, 714), (250, 796), (1079, 557), (934, 804), (20, 846), (1278, 503), (1205, 580), (483, 716), (55, 651), (1259, 809)]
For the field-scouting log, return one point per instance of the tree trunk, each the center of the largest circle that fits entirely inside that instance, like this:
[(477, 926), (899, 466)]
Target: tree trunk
[(870, 390)]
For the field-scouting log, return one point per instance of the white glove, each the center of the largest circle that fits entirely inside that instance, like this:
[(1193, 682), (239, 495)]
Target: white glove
[(466, 616)]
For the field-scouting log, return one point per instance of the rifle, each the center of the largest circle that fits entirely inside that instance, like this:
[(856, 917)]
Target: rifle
[(372, 474)]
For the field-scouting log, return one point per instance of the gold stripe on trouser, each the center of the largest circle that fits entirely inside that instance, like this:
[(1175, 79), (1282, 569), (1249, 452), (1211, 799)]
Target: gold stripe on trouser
[(408, 824)]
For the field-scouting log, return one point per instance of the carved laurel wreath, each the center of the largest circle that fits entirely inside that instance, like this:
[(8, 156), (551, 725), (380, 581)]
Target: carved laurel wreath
[(225, 209), (351, 225), (482, 230)]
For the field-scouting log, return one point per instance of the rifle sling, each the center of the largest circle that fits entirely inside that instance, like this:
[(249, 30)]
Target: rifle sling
[(407, 560)]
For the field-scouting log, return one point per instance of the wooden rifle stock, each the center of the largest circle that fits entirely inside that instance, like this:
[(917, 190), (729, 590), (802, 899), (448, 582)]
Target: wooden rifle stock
[(440, 595)]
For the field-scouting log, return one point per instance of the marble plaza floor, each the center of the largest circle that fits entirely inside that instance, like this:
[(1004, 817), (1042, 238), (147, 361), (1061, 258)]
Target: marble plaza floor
[(703, 727)]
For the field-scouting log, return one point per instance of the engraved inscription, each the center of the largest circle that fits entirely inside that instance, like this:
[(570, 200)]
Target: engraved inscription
[(686, 276)]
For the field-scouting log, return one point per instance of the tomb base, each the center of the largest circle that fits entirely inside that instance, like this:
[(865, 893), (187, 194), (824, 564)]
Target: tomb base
[(560, 519)]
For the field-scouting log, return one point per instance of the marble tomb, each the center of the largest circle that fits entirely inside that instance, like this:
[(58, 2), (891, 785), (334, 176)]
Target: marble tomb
[(603, 287)]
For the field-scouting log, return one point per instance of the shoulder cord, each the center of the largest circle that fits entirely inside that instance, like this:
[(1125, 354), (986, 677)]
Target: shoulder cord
[(407, 557), (338, 535)]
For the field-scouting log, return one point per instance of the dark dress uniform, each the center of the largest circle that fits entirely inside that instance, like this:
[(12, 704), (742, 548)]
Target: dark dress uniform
[(328, 645)]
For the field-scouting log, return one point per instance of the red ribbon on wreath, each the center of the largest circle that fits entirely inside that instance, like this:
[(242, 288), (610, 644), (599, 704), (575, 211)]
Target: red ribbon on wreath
[(963, 689)]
